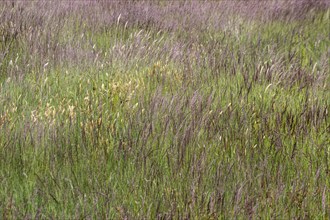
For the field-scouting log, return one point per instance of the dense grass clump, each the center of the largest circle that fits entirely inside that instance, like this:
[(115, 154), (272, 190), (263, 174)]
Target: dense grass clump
[(164, 110)]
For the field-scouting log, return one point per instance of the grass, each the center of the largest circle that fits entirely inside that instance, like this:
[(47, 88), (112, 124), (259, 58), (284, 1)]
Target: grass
[(145, 110)]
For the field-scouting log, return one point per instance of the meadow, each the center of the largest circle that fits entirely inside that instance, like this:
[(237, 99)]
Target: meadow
[(164, 109)]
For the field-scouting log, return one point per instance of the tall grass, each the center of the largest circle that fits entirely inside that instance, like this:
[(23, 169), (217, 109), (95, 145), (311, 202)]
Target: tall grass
[(167, 110)]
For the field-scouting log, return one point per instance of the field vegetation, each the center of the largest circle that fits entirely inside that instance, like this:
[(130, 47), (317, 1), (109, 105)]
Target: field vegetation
[(164, 109)]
